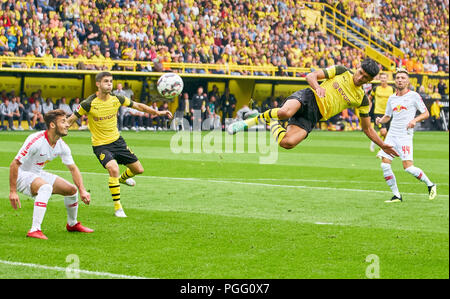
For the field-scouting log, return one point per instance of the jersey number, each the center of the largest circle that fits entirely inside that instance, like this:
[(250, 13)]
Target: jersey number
[(406, 149)]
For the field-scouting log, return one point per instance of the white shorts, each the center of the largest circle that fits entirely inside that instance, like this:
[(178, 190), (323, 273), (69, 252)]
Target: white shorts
[(402, 144), (25, 178)]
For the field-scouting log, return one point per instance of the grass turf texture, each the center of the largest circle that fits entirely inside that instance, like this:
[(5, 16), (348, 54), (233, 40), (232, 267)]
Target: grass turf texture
[(317, 213)]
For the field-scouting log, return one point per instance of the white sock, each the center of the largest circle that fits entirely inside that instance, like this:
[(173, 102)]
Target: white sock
[(71, 203), (419, 174), (390, 178), (40, 206)]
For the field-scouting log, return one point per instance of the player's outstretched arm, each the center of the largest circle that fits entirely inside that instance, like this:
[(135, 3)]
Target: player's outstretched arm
[(313, 81), (144, 108), (13, 173), (73, 118), (372, 134), (78, 181)]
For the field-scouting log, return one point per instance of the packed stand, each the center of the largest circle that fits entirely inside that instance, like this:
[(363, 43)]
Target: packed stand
[(226, 33), (418, 28)]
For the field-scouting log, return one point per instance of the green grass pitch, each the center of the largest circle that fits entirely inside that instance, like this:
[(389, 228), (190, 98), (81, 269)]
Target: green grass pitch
[(318, 212)]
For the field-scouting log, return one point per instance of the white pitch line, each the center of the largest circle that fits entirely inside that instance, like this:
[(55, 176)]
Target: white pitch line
[(334, 181), (250, 183), (61, 269)]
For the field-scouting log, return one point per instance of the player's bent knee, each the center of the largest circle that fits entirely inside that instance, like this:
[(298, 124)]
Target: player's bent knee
[(283, 113), (140, 170), (287, 143), (113, 168), (72, 190), (46, 188), (286, 112)]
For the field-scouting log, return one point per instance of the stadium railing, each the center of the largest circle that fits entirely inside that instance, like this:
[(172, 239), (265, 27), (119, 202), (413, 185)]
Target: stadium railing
[(352, 33), (40, 64)]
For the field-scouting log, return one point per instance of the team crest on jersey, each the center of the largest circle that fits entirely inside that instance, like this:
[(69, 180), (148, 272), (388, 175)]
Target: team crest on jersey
[(102, 156), (335, 85)]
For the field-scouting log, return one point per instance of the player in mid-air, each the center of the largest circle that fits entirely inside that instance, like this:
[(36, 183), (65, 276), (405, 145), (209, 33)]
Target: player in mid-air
[(401, 110), (28, 177), (341, 89), (380, 94), (109, 147)]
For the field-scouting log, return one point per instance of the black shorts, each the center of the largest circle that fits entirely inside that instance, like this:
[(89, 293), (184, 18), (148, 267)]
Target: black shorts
[(386, 125), (117, 150), (308, 115)]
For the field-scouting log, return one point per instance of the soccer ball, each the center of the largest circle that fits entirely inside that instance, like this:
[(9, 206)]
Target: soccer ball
[(170, 85)]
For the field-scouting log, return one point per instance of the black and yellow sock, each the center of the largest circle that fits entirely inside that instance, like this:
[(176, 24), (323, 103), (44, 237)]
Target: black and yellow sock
[(277, 130), (126, 175), (263, 118), (114, 188)]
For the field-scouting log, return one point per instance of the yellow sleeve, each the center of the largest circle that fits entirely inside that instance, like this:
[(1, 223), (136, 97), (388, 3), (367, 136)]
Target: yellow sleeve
[(124, 101), (85, 106), (334, 70)]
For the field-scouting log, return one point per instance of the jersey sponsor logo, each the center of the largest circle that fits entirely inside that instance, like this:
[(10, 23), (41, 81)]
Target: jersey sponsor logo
[(104, 117), (341, 92), (399, 108), (43, 163)]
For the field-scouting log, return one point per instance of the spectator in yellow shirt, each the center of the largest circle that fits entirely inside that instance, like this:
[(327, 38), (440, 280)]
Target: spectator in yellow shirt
[(436, 95), (435, 113), (48, 59)]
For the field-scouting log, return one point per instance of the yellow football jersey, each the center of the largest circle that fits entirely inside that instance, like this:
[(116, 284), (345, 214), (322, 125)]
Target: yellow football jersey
[(102, 117), (381, 95), (341, 93)]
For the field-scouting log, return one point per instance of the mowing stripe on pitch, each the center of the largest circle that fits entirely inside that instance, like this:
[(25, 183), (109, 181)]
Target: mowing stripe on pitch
[(231, 181), (62, 269)]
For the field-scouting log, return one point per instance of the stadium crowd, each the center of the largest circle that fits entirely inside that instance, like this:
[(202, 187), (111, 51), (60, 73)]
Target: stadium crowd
[(261, 33), (418, 28)]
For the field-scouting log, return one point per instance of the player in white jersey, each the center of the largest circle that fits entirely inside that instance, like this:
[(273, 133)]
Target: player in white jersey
[(28, 177), (402, 107)]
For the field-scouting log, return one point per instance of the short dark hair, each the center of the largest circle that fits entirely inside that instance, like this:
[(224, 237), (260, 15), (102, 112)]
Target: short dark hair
[(370, 67), (102, 75), (52, 115)]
